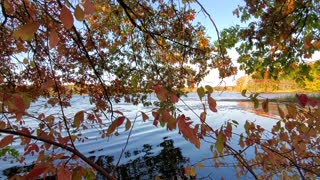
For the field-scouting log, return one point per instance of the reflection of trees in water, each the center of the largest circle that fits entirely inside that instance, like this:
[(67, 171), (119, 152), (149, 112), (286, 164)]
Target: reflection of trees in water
[(167, 164)]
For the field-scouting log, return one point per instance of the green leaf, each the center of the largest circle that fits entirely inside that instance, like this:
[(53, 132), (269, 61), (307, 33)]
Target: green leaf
[(209, 89), (201, 92), (243, 93), (220, 142)]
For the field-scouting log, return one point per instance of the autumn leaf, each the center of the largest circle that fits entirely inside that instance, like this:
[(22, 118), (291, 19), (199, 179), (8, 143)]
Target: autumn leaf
[(313, 102), (212, 104), (112, 127), (88, 7), (63, 174), (203, 116), (161, 92), (36, 172), (6, 141), (26, 32), (201, 92), (265, 105), (66, 17), (200, 165), (220, 142), (53, 39), (209, 89), (79, 13), (281, 113), (144, 116), (128, 125), (174, 98), (302, 99), (120, 120), (78, 119)]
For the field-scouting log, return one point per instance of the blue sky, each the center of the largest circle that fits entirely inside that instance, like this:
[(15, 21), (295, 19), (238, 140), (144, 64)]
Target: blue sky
[(221, 12)]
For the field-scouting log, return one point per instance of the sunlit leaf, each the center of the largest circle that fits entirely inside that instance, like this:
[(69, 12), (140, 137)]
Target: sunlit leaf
[(53, 39), (193, 171), (78, 119), (200, 165), (6, 141), (120, 120), (79, 13), (112, 127), (66, 17), (26, 32), (63, 174), (281, 113), (88, 7), (220, 142), (144, 116), (212, 104), (209, 89), (128, 125), (201, 92), (203, 117)]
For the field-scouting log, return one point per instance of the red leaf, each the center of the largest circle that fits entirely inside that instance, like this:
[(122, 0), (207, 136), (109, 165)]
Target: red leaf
[(155, 123), (120, 120), (19, 103), (63, 174), (144, 116), (53, 39), (161, 92), (36, 172), (302, 99), (66, 17), (174, 98), (212, 104), (313, 102), (6, 141), (88, 7)]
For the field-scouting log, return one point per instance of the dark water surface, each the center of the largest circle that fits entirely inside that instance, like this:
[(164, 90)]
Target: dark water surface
[(154, 151)]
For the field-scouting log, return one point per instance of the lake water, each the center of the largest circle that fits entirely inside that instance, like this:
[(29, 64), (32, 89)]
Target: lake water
[(154, 150)]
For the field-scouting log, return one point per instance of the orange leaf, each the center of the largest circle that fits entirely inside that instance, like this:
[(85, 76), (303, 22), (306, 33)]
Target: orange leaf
[(161, 92), (79, 13), (64, 174), (26, 32), (6, 141), (144, 116), (212, 104), (203, 117), (88, 7), (174, 98), (128, 124), (78, 118), (112, 127), (2, 124), (53, 39), (66, 17)]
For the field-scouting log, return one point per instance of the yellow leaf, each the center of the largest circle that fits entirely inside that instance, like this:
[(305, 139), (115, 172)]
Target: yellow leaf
[(26, 32), (200, 165), (66, 17), (53, 39), (193, 171), (112, 127), (79, 13), (128, 124)]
